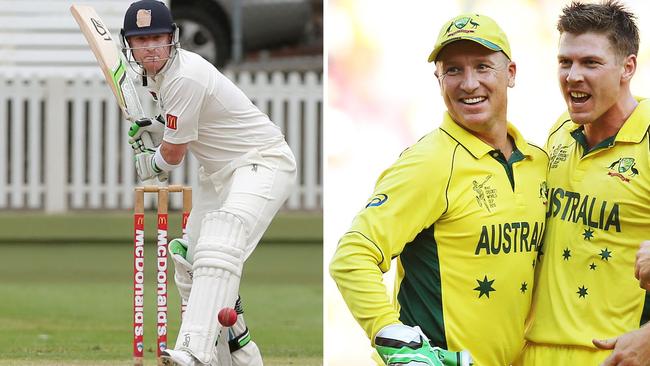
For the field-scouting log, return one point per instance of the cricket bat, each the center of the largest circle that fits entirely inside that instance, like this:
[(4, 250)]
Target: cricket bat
[(113, 64), (110, 58)]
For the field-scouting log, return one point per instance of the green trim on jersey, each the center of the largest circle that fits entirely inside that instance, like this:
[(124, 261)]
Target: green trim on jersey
[(516, 156), (579, 136), (466, 244), (420, 292), (645, 314)]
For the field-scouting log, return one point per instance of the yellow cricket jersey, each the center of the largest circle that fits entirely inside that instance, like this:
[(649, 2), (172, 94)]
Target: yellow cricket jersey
[(465, 226), (598, 214)]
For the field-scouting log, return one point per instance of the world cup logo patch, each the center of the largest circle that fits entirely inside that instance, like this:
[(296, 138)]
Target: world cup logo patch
[(557, 155), (485, 195)]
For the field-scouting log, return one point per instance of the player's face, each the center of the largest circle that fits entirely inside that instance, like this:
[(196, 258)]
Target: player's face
[(151, 51), (590, 75), (474, 82)]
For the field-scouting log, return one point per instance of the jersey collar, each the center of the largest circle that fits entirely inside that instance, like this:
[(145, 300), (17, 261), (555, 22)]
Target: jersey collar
[(634, 128), (474, 145)]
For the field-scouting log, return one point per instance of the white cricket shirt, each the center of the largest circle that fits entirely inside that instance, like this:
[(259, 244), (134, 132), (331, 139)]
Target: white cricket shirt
[(204, 108)]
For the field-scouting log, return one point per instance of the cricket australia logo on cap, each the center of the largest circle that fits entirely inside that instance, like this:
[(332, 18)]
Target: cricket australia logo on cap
[(485, 195), (623, 169), (171, 121), (143, 18), (460, 24)]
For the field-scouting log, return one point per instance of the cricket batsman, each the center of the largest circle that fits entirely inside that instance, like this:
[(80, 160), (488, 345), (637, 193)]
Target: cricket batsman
[(247, 171), (462, 211)]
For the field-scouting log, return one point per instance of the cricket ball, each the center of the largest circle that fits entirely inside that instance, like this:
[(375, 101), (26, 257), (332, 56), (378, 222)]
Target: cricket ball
[(227, 317)]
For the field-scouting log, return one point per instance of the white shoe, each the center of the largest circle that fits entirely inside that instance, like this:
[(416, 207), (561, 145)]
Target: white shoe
[(172, 357)]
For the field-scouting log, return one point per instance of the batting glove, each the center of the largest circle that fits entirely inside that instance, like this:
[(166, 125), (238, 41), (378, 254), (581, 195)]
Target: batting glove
[(154, 128), (147, 169), (401, 345), (183, 269)]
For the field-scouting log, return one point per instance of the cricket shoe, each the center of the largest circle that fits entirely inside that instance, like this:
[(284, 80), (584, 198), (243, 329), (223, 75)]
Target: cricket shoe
[(172, 357)]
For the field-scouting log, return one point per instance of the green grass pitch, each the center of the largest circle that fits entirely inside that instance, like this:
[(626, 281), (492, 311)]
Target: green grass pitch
[(71, 303)]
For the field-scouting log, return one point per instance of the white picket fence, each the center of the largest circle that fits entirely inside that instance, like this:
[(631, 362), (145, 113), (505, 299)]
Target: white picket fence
[(63, 141)]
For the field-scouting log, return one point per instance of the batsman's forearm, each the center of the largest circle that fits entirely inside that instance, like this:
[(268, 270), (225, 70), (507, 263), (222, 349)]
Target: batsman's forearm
[(173, 153), (355, 270)]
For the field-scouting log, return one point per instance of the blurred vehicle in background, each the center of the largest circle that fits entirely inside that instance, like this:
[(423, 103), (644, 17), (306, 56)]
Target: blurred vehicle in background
[(206, 25)]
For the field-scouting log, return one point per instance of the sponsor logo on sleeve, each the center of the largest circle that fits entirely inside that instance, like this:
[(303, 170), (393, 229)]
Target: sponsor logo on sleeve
[(377, 200), (171, 122)]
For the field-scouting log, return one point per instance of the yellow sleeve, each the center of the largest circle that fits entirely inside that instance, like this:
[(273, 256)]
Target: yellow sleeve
[(413, 193)]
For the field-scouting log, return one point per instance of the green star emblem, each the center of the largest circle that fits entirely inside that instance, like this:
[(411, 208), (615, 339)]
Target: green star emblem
[(592, 266), (484, 287), (588, 234), (605, 254), (582, 291), (566, 254), (524, 287)]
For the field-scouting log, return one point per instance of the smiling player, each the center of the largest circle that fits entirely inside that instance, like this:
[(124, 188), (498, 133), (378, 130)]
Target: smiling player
[(461, 210), (599, 201)]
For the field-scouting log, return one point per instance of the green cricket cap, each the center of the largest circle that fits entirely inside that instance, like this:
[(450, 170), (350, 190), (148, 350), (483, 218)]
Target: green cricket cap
[(472, 27)]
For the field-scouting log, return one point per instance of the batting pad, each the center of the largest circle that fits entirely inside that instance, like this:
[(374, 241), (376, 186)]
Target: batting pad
[(217, 268)]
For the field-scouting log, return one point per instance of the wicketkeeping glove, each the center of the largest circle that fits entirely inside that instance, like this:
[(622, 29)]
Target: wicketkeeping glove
[(401, 345)]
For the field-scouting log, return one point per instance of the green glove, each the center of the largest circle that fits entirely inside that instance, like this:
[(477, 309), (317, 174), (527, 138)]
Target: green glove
[(179, 247), (146, 134), (401, 345), (182, 268)]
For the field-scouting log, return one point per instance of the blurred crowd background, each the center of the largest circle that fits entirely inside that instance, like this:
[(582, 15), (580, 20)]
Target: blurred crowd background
[(383, 97)]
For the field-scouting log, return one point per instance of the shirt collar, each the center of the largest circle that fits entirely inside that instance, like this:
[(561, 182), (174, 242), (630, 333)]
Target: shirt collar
[(633, 129), (637, 123), (474, 145)]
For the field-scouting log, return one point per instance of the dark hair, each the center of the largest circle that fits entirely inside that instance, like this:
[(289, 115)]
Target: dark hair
[(610, 18)]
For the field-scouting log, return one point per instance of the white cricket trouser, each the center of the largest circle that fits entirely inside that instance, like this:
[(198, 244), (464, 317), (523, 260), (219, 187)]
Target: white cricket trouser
[(253, 187)]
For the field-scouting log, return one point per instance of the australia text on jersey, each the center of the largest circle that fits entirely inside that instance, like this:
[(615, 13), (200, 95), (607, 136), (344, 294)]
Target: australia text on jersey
[(589, 210), (510, 237)]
